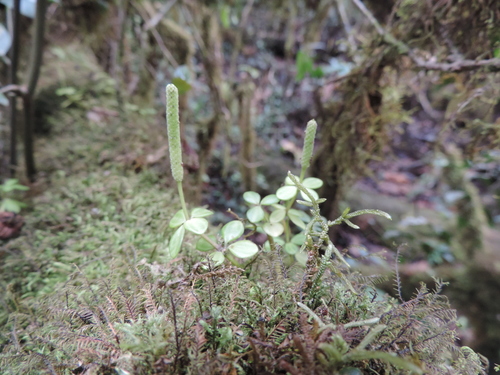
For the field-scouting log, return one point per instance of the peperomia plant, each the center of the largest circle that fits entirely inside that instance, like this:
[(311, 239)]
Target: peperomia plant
[(272, 215), (196, 221)]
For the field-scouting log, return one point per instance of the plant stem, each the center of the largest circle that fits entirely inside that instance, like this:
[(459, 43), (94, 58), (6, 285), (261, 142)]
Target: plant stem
[(183, 201), (209, 240)]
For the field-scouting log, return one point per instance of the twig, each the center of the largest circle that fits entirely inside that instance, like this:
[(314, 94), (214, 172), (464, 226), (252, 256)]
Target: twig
[(239, 37), (153, 21), (393, 14), (347, 25), (150, 25), (312, 314), (164, 49), (370, 17), (457, 66)]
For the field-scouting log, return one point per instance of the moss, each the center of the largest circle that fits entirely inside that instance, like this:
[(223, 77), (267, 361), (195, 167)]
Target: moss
[(89, 290)]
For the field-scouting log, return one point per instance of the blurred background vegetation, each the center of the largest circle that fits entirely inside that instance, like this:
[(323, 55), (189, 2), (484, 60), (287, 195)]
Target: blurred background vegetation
[(405, 92)]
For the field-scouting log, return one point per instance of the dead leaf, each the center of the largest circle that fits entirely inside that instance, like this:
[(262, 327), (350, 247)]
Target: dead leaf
[(393, 188), (156, 156), (415, 268), (396, 177), (292, 148), (10, 225), (100, 115)]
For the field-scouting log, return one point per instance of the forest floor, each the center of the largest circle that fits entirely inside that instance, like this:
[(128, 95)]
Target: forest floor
[(103, 196)]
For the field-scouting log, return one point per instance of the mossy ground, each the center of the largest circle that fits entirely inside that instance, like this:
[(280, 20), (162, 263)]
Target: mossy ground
[(90, 206), (88, 287)]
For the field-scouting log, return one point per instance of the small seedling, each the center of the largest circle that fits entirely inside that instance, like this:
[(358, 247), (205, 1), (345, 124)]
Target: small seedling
[(6, 189)]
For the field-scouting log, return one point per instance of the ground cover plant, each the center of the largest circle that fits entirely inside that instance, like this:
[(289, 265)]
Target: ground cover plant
[(134, 303), (407, 107)]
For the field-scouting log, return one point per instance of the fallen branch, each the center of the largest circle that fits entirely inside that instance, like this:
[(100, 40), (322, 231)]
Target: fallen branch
[(493, 65)]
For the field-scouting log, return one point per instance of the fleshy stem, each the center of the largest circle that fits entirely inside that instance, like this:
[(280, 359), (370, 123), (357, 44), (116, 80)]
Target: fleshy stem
[(323, 236), (307, 152), (174, 141), (183, 201)]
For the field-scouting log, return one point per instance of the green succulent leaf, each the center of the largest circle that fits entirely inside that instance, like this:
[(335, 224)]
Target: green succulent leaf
[(291, 248), (312, 192), (217, 257), (277, 215), (243, 249), (196, 225), (175, 242), (352, 225), (232, 231), (251, 197), (350, 371), (304, 203), (286, 192), (201, 212), (296, 217), (273, 229), (177, 220), (255, 214), (269, 199), (299, 239), (312, 183), (374, 212), (203, 245)]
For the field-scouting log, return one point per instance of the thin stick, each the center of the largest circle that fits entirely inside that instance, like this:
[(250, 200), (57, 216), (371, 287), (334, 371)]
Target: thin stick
[(13, 80)]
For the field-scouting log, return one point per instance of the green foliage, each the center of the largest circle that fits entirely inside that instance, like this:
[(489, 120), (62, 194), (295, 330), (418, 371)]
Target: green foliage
[(305, 65), (271, 215), (126, 309), (318, 346), (8, 188)]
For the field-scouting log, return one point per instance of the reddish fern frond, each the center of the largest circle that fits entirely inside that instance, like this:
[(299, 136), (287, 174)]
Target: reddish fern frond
[(149, 303), (113, 306), (129, 304), (91, 342), (279, 333)]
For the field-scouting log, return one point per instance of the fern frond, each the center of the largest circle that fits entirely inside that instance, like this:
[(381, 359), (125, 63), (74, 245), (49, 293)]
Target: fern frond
[(149, 303), (397, 280), (130, 305)]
